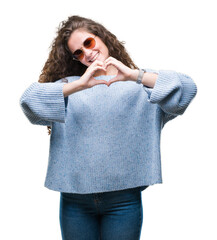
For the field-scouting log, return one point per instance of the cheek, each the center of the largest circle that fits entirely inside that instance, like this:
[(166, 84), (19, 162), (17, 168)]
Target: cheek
[(103, 50), (106, 51), (101, 47)]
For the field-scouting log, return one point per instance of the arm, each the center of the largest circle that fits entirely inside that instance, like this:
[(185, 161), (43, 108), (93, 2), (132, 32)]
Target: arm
[(43, 103), (173, 91), (148, 79), (73, 87)]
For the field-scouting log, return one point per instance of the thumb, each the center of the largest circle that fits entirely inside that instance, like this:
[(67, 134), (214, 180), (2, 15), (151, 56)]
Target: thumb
[(115, 79), (101, 82)]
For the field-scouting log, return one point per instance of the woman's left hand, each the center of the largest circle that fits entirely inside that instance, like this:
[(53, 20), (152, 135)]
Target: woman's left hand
[(124, 72)]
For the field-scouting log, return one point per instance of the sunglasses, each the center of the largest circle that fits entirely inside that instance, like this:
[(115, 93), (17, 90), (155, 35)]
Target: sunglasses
[(89, 43)]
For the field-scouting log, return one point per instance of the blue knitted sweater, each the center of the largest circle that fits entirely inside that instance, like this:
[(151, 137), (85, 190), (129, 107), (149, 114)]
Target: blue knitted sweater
[(106, 138)]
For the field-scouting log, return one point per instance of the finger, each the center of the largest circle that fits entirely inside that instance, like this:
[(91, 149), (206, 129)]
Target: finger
[(115, 79), (110, 61), (98, 62), (98, 68), (100, 81), (110, 58), (110, 82)]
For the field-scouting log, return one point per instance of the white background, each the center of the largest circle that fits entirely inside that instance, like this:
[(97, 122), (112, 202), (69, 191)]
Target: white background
[(170, 35)]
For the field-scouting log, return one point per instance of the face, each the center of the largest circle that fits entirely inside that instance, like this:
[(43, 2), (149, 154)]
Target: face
[(99, 52)]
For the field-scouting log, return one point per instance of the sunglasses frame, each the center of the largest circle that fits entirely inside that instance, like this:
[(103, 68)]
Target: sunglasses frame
[(74, 57)]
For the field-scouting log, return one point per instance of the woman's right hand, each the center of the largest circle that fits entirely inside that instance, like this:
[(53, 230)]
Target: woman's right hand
[(87, 78)]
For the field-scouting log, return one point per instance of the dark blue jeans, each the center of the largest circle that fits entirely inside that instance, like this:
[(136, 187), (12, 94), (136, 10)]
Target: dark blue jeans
[(116, 215)]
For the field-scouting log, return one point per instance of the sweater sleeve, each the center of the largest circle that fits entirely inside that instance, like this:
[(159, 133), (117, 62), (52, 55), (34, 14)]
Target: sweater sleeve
[(44, 103), (172, 91)]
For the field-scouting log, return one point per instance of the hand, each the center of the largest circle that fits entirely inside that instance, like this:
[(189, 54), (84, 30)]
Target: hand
[(87, 78), (124, 72)]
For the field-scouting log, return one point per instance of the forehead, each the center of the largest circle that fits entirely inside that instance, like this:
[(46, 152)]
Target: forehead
[(77, 38)]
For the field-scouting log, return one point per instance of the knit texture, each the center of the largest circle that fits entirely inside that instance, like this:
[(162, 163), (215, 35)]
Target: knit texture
[(106, 138)]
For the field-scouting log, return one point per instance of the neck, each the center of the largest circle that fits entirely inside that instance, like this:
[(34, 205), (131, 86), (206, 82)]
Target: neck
[(111, 70)]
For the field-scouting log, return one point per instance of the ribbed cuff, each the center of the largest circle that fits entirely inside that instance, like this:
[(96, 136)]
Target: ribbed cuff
[(44, 101), (165, 84)]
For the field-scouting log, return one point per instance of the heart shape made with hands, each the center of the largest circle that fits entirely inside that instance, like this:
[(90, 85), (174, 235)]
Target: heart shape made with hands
[(111, 77), (109, 81), (122, 72)]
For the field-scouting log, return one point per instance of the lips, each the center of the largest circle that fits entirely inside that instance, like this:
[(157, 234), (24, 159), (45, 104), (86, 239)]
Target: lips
[(94, 58)]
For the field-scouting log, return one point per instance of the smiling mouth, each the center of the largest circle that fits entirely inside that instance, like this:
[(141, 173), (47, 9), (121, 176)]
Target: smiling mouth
[(94, 57)]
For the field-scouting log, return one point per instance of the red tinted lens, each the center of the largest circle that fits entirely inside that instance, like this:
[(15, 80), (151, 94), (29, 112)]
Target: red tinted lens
[(89, 43), (78, 54)]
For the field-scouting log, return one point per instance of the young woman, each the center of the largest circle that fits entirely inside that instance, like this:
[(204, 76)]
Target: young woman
[(105, 117)]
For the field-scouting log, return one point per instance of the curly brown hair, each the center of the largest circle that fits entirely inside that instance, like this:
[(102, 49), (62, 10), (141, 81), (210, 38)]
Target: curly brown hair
[(60, 62)]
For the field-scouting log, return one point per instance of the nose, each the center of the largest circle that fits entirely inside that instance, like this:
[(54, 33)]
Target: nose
[(87, 52)]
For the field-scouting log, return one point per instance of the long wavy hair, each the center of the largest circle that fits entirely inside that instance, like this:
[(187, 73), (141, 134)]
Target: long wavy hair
[(60, 62)]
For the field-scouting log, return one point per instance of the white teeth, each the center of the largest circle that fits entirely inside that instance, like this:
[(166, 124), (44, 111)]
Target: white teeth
[(94, 57)]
